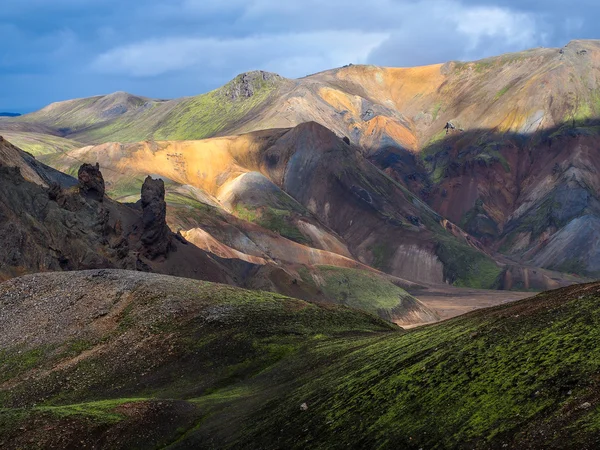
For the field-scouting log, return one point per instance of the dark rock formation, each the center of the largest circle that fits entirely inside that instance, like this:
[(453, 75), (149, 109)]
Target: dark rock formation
[(156, 235), (54, 191), (247, 84), (91, 182)]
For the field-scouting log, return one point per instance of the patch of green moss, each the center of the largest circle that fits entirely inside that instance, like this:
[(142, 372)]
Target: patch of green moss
[(464, 266), (76, 347), (436, 110), (125, 188), (174, 198), (277, 220), (540, 219), (17, 361), (502, 91), (102, 411), (41, 144), (382, 254), (249, 215), (306, 276), (582, 114), (360, 289), (483, 65)]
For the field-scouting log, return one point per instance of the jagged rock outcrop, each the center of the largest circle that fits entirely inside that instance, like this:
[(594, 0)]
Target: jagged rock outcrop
[(156, 235), (247, 84), (91, 182), (50, 223)]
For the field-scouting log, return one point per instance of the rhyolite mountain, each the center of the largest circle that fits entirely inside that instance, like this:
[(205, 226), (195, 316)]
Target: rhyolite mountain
[(50, 221), (309, 186), (515, 171)]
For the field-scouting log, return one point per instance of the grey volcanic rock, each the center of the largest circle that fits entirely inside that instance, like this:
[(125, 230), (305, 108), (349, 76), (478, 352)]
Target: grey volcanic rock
[(156, 235), (48, 223), (91, 182), (245, 85)]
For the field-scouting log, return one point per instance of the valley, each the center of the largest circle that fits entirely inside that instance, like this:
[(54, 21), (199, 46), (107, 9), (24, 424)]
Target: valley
[(366, 257)]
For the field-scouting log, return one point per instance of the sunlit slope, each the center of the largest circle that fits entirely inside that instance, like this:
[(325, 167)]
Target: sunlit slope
[(375, 107), (309, 179)]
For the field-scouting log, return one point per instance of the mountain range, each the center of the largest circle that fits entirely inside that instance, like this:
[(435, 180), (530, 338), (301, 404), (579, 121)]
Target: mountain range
[(307, 220), (514, 175)]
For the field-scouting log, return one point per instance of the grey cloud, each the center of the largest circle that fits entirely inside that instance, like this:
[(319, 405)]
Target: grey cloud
[(65, 48)]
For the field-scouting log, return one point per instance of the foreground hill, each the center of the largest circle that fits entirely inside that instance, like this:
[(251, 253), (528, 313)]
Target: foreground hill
[(143, 360)]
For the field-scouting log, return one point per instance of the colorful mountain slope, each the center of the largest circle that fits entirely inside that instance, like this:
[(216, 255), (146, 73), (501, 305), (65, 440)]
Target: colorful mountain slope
[(490, 174), (48, 227), (309, 186)]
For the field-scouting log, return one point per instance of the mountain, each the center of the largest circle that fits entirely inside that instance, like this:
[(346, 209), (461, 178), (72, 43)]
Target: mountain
[(311, 187), (515, 171), (127, 359), (9, 114), (50, 221)]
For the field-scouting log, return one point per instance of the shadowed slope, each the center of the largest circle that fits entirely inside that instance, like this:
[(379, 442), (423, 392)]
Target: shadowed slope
[(533, 196), (252, 370)]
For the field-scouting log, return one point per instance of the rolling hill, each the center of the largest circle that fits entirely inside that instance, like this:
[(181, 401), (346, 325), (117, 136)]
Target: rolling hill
[(144, 360)]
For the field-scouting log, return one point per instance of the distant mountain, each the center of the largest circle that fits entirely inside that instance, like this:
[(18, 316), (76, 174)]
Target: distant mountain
[(9, 114), (513, 168)]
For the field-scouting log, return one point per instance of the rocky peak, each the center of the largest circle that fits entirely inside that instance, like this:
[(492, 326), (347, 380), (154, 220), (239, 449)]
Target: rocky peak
[(247, 84), (156, 235), (91, 182)]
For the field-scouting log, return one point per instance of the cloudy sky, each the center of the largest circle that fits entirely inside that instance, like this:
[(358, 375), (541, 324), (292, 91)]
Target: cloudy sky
[(53, 50)]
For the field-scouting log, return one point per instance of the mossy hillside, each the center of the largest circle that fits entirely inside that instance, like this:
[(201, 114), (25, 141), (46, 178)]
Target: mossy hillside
[(356, 288), (484, 150), (464, 266), (226, 332), (522, 375), (40, 144), (279, 221), (207, 114), (191, 118), (484, 381)]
